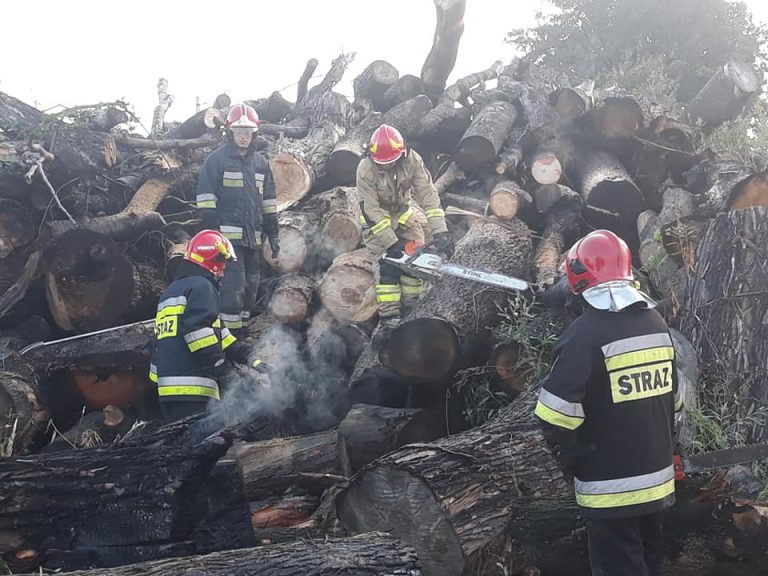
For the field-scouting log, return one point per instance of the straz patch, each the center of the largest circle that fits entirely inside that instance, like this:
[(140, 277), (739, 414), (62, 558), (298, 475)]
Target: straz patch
[(166, 327), (640, 367)]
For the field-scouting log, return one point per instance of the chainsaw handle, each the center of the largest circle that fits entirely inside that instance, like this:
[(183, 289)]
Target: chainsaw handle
[(677, 462), (419, 251)]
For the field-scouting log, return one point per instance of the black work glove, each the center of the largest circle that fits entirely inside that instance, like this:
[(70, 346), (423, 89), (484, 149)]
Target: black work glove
[(397, 250), (238, 352), (261, 367), (272, 232), (217, 372), (442, 243), (274, 242)]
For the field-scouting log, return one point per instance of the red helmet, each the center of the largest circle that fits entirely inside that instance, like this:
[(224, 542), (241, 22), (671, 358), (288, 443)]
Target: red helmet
[(209, 249), (243, 116), (387, 145), (599, 257)]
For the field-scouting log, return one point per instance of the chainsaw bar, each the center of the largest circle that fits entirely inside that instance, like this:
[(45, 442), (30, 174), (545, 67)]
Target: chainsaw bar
[(724, 458)]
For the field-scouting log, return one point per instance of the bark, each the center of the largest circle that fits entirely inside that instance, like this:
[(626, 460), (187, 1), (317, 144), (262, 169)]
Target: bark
[(372, 383), (486, 135), (16, 228), (347, 287), (508, 200), (465, 203), (88, 281), (95, 428), (663, 271), (22, 417), (340, 229), (326, 335), (448, 327), (727, 184), (617, 116), (203, 122), (306, 76), (452, 175), (511, 154), (724, 96), (16, 117), (305, 107), (298, 165), (271, 516), (298, 234), (571, 103), (121, 504), (726, 299), (346, 155), (164, 101), (374, 81), (292, 298), (166, 144), (405, 88), (313, 462), (375, 553), (560, 224), (272, 109), (372, 431), (445, 45), (406, 116), (680, 225), (16, 275)]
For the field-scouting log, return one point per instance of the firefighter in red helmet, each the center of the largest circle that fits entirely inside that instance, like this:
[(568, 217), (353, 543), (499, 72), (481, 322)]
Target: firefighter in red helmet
[(191, 347), (391, 181), (236, 195), (608, 409)]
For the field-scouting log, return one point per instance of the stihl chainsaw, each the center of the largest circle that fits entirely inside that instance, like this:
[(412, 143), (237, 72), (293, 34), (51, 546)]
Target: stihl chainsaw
[(417, 262), (709, 461)]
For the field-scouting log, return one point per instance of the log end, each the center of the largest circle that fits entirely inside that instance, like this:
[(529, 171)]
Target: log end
[(293, 179), (424, 348), (347, 293), (568, 103), (289, 306), (293, 251), (474, 152), (120, 390), (504, 360), (546, 169), (618, 118), (752, 191), (342, 167), (340, 234)]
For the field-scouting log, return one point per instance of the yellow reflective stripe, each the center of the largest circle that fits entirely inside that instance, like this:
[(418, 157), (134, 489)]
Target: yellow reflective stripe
[(405, 215), (556, 418), (413, 290), (217, 323), (153, 376), (388, 293), (678, 405), (233, 324), (363, 221), (435, 213), (639, 357), (206, 204), (228, 341), (257, 363), (629, 498), (232, 183), (233, 235), (383, 288), (171, 311), (188, 391), (388, 297), (203, 343), (270, 210), (381, 226)]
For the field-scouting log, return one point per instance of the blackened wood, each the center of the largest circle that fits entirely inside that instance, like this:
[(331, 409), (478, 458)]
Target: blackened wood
[(274, 108), (16, 228), (374, 81), (662, 269), (406, 116), (306, 76), (445, 45), (724, 96), (406, 87), (486, 135), (201, 123), (16, 116), (452, 175), (23, 417), (727, 184), (343, 161)]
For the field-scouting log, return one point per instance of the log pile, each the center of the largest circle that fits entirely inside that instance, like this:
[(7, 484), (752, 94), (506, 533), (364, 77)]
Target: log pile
[(347, 438)]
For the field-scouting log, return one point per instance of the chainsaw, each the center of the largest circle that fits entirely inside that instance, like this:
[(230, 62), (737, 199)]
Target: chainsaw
[(419, 263), (708, 461)]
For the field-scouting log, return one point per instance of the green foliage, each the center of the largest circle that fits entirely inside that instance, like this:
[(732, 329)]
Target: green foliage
[(689, 38), (746, 137), (520, 323)]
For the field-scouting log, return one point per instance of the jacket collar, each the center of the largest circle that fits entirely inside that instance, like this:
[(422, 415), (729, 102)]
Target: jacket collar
[(616, 296), (187, 269)]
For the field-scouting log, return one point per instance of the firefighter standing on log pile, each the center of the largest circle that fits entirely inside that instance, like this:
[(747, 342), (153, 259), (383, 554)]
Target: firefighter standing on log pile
[(608, 409), (236, 195), (191, 348), (388, 180)]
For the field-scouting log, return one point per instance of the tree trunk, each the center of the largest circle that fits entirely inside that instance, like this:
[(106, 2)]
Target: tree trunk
[(298, 235), (405, 88), (374, 81), (22, 417), (340, 229), (406, 116), (508, 200), (726, 301), (465, 203), (347, 287), (680, 225), (448, 327), (100, 427), (88, 281), (511, 154), (346, 155), (662, 269), (451, 176), (306, 76), (314, 463), (164, 101), (16, 116), (292, 298), (375, 553), (560, 223), (121, 504), (326, 335), (485, 136), (272, 109), (199, 124), (372, 383), (16, 228), (573, 103), (723, 97), (445, 45), (617, 117), (372, 431), (727, 184), (299, 164)]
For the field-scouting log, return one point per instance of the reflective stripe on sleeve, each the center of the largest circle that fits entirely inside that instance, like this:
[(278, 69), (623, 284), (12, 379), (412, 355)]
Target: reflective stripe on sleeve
[(435, 213), (388, 292), (206, 201), (405, 215), (382, 225), (232, 321), (227, 339), (153, 373), (202, 338), (636, 343), (269, 206), (628, 491), (232, 232), (172, 306), (556, 418)]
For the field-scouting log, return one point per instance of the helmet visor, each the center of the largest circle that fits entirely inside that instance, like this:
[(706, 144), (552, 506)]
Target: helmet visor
[(242, 130)]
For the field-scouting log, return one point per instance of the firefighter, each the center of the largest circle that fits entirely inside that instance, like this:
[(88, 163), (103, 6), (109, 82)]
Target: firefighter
[(389, 179), (236, 195), (191, 347), (608, 409)]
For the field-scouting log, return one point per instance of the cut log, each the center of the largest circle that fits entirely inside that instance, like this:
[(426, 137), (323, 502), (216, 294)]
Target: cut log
[(372, 383), (299, 164), (16, 117), (617, 117), (347, 287), (465, 203), (292, 298), (16, 228), (508, 200), (201, 123), (511, 155), (122, 504), (661, 268), (406, 116), (340, 229), (343, 161), (724, 96), (406, 87), (374, 81), (546, 167), (96, 428), (121, 389), (485, 136), (375, 553), (448, 178), (175, 144), (571, 103), (504, 360), (88, 281), (560, 225), (22, 417), (445, 45), (680, 225), (372, 431), (727, 184), (326, 337), (313, 462), (273, 108), (726, 299), (448, 326), (298, 235), (611, 198)]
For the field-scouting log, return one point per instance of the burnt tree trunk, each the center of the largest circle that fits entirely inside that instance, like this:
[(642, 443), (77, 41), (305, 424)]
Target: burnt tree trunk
[(340, 230), (202, 122), (445, 46), (22, 416), (572, 103), (726, 301), (448, 326), (406, 116), (727, 184), (314, 463), (374, 81), (274, 108), (347, 287), (485, 136), (406, 87), (560, 223), (343, 161), (724, 96), (16, 116), (663, 271), (375, 553), (292, 298)]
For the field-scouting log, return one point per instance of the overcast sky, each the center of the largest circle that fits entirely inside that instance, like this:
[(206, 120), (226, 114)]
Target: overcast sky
[(82, 52)]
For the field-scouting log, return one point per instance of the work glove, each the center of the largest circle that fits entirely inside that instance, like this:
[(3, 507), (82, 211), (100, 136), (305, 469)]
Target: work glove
[(271, 230), (397, 250), (238, 352), (219, 371), (442, 243), (261, 367), (274, 242)]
